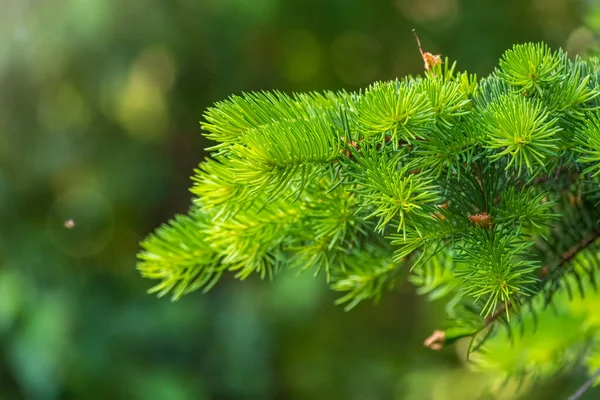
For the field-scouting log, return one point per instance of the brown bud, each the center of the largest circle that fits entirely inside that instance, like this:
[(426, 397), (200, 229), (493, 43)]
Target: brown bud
[(436, 340), (482, 220), (431, 60)]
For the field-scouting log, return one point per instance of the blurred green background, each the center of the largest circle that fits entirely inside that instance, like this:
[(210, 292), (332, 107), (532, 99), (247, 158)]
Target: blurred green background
[(99, 108)]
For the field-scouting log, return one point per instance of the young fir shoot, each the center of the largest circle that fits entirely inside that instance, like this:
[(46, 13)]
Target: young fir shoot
[(485, 191)]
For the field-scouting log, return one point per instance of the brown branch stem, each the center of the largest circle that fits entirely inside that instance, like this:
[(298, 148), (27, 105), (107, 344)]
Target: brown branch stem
[(585, 386)]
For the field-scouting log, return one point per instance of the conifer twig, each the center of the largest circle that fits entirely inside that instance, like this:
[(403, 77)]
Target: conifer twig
[(451, 175), (566, 257), (580, 392)]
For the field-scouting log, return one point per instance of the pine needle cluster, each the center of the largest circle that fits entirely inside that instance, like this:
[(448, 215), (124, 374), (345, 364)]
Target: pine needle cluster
[(486, 190)]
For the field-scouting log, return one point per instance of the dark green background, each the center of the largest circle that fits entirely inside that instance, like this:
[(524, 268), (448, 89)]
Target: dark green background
[(99, 108)]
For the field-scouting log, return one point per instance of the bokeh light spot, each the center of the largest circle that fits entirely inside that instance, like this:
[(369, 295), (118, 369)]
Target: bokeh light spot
[(443, 12), (63, 107), (581, 40), (142, 108), (20, 34), (47, 62), (301, 56), (158, 64)]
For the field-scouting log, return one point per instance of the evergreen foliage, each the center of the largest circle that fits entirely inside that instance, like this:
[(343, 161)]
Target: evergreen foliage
[(486, 190)]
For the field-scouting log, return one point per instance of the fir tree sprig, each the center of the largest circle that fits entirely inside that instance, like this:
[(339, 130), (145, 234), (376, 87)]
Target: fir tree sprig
[(521, 129), (492, 270), (587, 137), (484, 191), (531, 68)]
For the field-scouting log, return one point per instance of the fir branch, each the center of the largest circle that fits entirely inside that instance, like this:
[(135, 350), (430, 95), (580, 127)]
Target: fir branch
[(507, 307), (392, 191), (286, 156), (566, 257), (531, 68), (588, 139), (394, 109), (178, 256), (490, 270), (521, 129), (228, 121), (365, 275), (450, 177)]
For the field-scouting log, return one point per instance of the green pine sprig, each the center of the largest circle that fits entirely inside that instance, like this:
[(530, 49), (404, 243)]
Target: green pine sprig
[(484, 192)]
